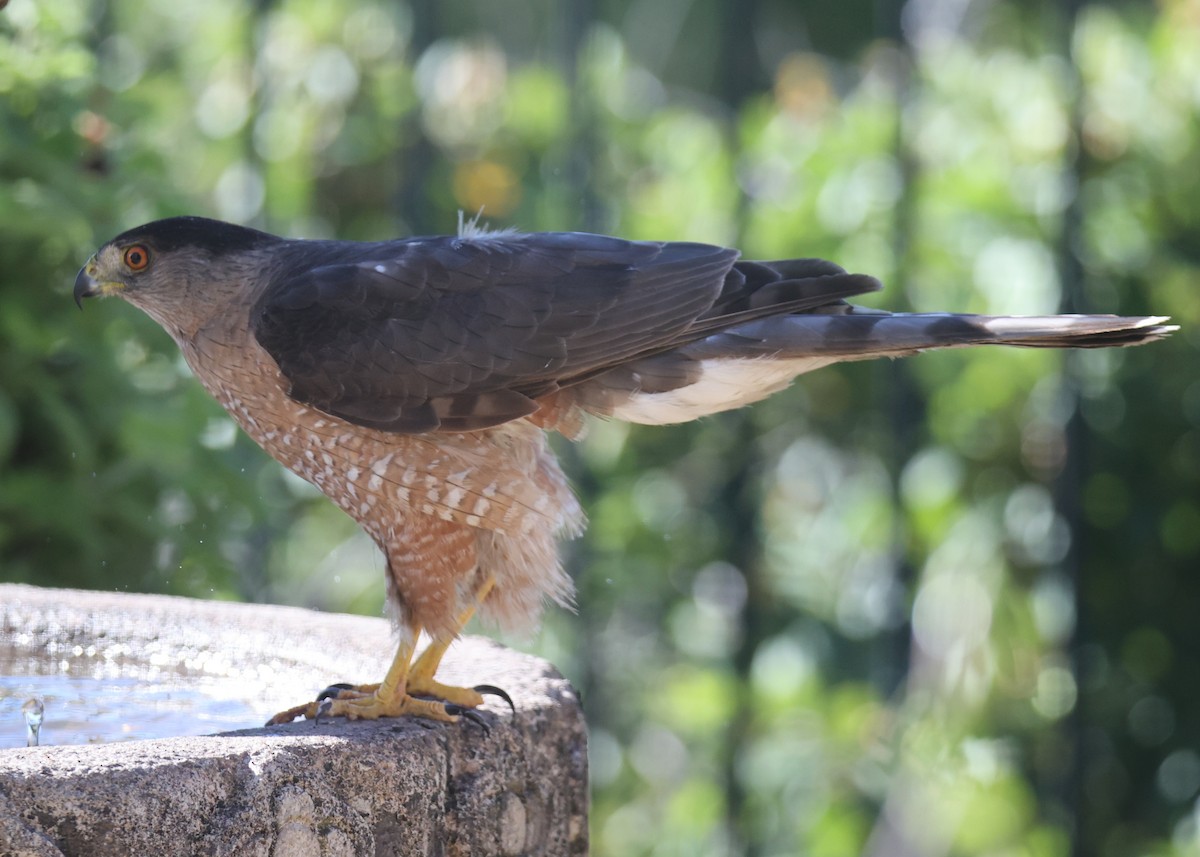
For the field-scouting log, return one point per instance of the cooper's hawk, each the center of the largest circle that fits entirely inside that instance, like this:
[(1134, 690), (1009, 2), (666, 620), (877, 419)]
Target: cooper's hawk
[(413, 381)]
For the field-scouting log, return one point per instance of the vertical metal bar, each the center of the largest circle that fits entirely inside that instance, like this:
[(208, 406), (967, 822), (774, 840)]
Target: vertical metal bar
[(905, 401), (1069, 484), (414, 150), (580, 154), (906, 409), (741, 515), (740, 77)]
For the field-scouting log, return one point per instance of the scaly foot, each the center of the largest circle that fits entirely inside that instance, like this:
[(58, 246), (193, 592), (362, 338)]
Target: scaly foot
[(427, 688), (371, 706), (465, 697), (365, 703)]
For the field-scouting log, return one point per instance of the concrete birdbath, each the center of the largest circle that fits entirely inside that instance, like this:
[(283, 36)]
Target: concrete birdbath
[(115, 669)]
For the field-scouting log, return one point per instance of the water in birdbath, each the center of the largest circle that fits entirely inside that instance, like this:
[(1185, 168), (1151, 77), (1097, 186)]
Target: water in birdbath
[(89, 700)]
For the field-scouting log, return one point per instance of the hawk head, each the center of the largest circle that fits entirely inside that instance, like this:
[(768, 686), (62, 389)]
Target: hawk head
[(175, 269)]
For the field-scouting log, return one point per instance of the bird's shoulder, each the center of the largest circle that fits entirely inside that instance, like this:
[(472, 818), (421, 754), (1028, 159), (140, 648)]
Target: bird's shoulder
[(404, 269)]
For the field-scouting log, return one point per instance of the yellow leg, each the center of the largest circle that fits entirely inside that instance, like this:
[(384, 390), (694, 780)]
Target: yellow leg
[(405, 679), (420, 676), (386, 699)]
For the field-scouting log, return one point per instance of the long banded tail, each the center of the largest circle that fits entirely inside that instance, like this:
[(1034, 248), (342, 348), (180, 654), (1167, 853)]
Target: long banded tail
[(749, 361), (859, 335)]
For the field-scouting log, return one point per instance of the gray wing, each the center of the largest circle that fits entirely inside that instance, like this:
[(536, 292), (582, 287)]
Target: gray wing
[(460, 334)]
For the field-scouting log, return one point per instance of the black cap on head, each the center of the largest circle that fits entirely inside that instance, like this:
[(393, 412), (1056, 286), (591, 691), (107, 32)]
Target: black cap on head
[(215, 236)]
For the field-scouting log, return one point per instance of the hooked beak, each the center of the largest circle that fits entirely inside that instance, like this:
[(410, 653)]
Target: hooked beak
[(86, 285)]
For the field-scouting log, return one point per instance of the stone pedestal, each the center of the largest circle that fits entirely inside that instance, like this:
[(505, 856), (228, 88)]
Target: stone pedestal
[(398, 787)]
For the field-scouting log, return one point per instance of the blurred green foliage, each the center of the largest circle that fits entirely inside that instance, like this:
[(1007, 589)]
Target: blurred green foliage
[(949, 602)]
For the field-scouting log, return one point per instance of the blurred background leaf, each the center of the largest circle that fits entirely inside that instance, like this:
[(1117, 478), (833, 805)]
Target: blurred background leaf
[(939, 607)]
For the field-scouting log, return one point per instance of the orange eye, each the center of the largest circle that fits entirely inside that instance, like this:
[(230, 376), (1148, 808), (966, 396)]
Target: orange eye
[(136, 257)]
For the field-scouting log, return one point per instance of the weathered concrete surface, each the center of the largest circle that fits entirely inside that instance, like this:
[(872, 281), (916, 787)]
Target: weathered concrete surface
[(340, 788)]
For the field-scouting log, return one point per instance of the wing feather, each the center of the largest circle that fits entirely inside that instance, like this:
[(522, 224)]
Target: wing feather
[(458, 334)]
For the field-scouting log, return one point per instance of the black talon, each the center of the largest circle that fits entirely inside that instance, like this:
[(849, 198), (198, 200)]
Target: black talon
[(326, 697), (333, 690), (492, 690), (469, 713)]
